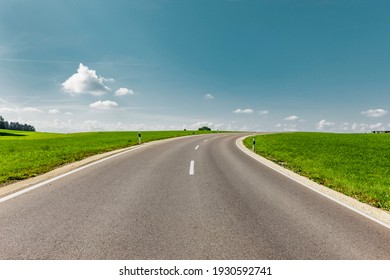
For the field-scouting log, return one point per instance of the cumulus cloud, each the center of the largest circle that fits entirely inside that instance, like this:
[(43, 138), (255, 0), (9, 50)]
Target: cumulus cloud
[(85, 81), (263, 112), (216, 126), (7, 109), (20, 110), (359, 127), (219, 126), (103, 105), (324, 124), (124, 91), (31, 110), (243, 111), (288, 127), (196, 125), (54, 111), (291, 118), (364, 127), (374, 113), (344, 126), (208, 97), (377, 126)]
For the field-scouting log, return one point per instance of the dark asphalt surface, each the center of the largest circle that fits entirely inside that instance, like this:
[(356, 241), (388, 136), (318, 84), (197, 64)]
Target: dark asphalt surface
[(145, 205)]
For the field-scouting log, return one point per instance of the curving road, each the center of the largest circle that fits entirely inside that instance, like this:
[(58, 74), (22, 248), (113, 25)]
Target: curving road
[(189, 198)]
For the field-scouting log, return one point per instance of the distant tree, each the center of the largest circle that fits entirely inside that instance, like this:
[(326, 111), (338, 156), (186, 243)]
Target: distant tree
[(15, 125), (204, 128), (2, 123)]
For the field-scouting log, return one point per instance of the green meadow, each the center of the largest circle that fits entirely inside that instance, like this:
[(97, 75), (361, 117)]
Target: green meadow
[(27, 154), (357, 165)]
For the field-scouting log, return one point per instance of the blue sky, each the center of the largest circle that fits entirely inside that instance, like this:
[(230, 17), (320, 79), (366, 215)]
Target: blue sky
[(266, 65)]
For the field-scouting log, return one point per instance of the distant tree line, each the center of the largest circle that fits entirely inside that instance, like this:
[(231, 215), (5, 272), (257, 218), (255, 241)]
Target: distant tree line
[(15, 125)]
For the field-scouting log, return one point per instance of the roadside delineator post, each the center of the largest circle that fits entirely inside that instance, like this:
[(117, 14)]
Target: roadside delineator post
[(254, 143), (139, 137)]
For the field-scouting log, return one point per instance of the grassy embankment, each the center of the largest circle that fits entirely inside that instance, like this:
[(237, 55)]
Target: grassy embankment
[(357, 165), (27, 154)]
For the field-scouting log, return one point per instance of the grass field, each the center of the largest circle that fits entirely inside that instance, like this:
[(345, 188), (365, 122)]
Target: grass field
[(27, 154), (357, 165)]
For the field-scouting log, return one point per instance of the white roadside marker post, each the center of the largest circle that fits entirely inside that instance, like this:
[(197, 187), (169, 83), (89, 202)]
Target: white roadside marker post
[(139, 137), (254, 143)]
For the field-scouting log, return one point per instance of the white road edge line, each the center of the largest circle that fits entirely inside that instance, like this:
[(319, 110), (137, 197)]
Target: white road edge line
[(206, 140), (255, 156), (192, 167), (197, 147), (65, 174)]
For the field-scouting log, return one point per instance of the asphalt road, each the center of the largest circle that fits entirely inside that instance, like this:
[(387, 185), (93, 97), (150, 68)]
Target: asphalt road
[(153, 203)]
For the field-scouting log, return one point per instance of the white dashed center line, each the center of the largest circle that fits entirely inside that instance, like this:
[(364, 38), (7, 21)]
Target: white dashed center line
[(197, 147), (192, 167)]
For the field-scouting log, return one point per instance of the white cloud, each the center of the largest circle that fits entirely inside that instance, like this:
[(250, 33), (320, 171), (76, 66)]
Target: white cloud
[(20, 110), (103, 105), (291, 118), (31, 110), (364, 127), (208, 97), (290, 127), (85, 81), (7, 109), (228, 126), (124, 91), (219, 125), (54, 111), (247, 111), (344, 126), (263, 112), (324, 125), (377, 126), (359, 127), (243, 111), (196, 125), (374, 113)]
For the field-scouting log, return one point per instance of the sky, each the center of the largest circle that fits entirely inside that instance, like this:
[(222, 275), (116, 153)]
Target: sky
[(260, 65)]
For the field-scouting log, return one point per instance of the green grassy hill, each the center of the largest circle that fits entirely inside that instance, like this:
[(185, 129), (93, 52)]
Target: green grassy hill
[(357, 165)]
